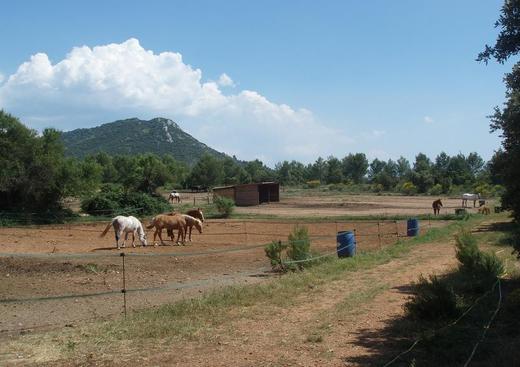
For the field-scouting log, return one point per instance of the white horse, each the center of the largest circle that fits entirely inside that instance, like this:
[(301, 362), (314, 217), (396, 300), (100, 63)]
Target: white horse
[(471, 197), (127, 225), (174, 196)]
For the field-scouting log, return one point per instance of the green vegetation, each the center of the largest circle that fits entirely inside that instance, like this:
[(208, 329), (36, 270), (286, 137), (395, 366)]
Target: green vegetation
[(36, 176), (112, 199), (504, 165), (293, 254), (224, 206)]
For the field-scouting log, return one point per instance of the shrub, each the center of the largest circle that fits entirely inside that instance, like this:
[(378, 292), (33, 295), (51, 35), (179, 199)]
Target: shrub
[(113, 200), (475, 262), (408, 188), (299, 245), (274, 252), (225, 206), (433, 300), (312, 184), (435, 190), (296, 249), (377, 188)]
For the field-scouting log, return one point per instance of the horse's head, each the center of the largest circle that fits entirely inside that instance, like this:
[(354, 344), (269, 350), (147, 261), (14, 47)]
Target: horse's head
[(142, 238), (198, 225), (201, 214)]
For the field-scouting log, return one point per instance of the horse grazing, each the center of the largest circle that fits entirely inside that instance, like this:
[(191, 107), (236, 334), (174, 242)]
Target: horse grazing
[(437, 205), (484, 210), (174, 196), (190, 222), (170, 222), (196, 213), (471, 197), (126, 225)]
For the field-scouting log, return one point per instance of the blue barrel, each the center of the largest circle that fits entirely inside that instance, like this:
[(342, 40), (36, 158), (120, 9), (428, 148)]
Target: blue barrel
[(412, 227), (346, 244)]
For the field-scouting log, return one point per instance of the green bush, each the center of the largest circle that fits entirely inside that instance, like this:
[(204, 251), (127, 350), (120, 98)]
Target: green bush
[(312, 184), (475, 262), (408, 188), (296, 249), (377, 188), (112, 200), (299, 245), (225, 206), (433, 300), (435, 190), (274, 252)]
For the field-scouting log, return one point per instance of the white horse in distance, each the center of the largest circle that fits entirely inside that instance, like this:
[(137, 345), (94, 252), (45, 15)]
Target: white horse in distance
[(174, 196), (126, 225), (470, 197)]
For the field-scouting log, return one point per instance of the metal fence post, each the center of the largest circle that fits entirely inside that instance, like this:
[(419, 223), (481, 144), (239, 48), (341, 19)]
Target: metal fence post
[(124, 283)]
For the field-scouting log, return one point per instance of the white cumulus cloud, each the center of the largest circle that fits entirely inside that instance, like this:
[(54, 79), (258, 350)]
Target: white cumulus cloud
[(225, 81), (103, 83)]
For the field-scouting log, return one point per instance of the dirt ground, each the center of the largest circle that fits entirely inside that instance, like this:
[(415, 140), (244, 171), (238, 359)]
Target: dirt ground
[(70, 261)]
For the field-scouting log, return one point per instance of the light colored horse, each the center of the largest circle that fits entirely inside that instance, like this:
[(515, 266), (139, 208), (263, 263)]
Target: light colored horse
[(437, 205), (471, 197), (191, 222), (174, 196), (126, 225), (170, 222), (196, 213)]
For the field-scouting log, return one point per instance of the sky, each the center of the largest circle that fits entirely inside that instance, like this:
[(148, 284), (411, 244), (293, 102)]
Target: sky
[(273, 80)]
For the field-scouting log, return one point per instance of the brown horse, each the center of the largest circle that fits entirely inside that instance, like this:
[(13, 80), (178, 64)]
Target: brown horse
[(196, 213), (170, 222), (437, 205), (190, 222), (484, 210)]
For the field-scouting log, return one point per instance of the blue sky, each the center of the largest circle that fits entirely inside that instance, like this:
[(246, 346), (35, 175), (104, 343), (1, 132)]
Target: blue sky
[(271, 80)]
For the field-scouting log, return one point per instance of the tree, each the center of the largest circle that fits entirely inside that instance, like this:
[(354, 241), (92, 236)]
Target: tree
[(403, 169), (258, 171), (33, 171), (422, 175), (207, 172), (318, 170), (334, 171), (355, 167), (507, 119)]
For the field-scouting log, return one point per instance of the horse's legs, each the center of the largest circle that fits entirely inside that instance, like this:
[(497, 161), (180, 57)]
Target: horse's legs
[(155, 236), (160, 236), (133, 238)]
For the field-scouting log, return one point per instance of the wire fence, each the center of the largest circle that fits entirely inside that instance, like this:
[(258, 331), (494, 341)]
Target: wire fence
[(375, 234)]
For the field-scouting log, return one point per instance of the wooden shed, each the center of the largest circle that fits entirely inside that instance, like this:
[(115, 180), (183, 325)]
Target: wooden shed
[(250, 194)]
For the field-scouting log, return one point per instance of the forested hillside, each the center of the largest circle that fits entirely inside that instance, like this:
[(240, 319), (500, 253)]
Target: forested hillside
[(133, 136)]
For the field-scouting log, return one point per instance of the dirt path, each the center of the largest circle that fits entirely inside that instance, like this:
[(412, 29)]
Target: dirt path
[(322, 327)]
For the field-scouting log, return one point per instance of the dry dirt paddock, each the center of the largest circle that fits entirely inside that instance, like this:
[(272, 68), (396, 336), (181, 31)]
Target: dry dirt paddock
[(71, 261)]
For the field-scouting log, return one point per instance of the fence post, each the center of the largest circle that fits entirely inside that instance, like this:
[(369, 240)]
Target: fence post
[(124, 283), (379, 233), (194, 201), (397, 230), (245, 231)]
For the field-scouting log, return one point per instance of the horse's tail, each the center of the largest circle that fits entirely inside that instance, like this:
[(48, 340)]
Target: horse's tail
[(106, 229), (152, 224)]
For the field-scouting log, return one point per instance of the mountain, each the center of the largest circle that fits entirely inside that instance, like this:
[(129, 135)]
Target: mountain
[(133, 136)]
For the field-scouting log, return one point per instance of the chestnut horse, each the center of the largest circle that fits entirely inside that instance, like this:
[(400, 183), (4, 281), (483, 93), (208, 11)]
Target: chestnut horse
[(170, 222), (437, 205)]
